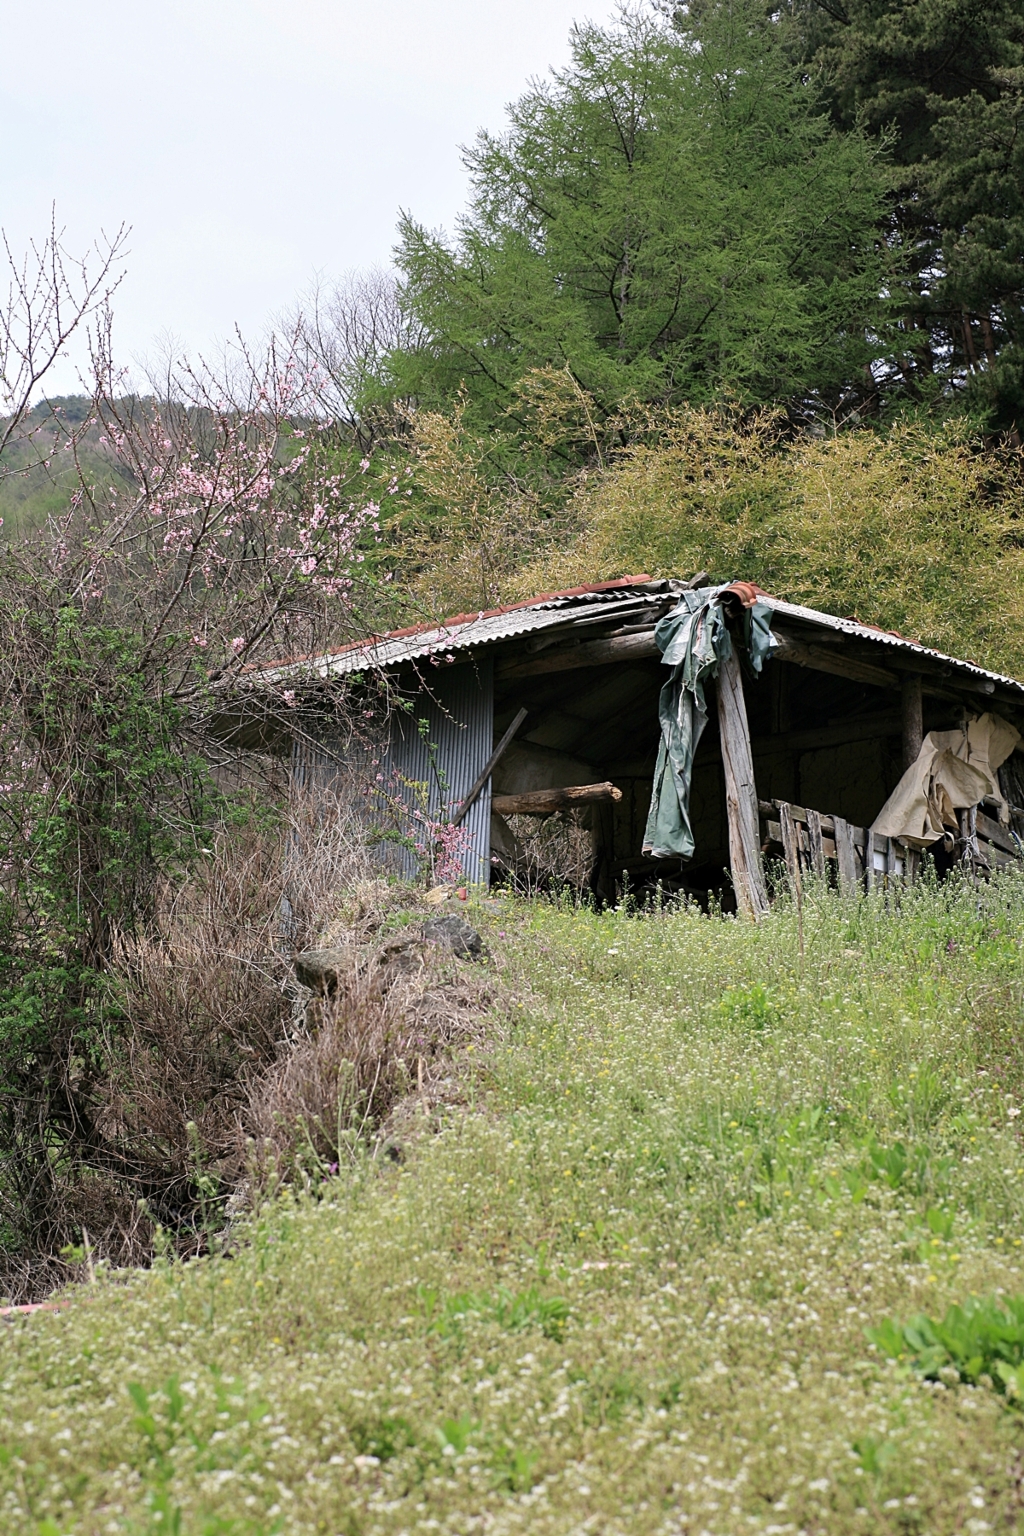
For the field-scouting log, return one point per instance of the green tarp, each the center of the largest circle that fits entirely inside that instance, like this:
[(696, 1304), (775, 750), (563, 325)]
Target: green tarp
[(693, 639)]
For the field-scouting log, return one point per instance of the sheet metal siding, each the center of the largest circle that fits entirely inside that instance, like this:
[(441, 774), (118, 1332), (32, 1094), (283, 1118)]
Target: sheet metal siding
[(459, 714)]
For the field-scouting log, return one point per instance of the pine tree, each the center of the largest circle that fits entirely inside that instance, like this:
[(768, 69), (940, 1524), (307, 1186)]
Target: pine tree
[(943, 80)]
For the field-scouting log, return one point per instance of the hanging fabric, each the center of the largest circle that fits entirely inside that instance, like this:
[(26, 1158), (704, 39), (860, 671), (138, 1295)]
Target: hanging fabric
[(693, 639)]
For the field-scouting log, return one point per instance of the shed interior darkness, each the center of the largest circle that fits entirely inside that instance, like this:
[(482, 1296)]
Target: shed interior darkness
[(818, 740)]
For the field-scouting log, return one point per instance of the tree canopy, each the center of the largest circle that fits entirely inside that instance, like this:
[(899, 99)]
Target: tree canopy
[(671, 218), (943, 82)]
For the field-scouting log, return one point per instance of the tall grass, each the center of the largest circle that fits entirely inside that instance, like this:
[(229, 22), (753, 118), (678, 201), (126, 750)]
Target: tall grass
[(625, 1287)]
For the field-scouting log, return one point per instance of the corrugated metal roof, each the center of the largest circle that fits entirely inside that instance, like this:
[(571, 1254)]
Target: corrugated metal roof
[(463, 633), (885, 637), (622, 597)]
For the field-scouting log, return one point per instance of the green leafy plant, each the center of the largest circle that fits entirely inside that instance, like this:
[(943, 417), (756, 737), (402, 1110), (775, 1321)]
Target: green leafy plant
[(754, 1007), (514, 1311), (980, 1341)]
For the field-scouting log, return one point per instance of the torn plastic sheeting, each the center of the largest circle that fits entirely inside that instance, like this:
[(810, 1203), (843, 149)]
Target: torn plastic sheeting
[(693, 639)]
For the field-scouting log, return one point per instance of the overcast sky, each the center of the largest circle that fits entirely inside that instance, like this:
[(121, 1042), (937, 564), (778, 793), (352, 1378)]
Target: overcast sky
[(251, 144)]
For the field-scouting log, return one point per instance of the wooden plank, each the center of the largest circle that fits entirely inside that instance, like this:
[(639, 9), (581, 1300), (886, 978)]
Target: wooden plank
[(740, 791), (775, 836), (488, 768), (570, 628), (592, 654), (541, 802), (846, 857), (814, 839), (913, 718), (828, 823), (996, 833), (791, 847)]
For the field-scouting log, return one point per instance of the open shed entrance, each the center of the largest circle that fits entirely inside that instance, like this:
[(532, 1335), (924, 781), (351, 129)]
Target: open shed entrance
[(563, 694)]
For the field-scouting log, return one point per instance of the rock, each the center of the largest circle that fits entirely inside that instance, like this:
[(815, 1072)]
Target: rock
[(403, 953), (457, 934), (320, 969)]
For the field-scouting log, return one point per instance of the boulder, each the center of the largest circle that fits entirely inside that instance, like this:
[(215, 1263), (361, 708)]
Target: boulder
[(456, 934), (320, 969)]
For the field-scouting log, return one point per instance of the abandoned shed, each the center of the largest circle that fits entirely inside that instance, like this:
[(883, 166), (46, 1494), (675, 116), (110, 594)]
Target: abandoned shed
[(701, 728)]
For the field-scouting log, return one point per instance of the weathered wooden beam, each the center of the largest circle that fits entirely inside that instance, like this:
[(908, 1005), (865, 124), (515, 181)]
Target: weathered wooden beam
[(816, 841), (591, 654), (740, 791), (913, 718), (541, 802), (987, 826), (821, 658), (572, 627), (789, 836), (803, 839), (846, 856)]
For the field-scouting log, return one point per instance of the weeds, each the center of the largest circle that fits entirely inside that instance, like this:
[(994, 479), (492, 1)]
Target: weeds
[(626, 1281)]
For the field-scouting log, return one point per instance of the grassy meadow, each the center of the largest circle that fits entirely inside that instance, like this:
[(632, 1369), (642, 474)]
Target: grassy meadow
[(626, 1287)]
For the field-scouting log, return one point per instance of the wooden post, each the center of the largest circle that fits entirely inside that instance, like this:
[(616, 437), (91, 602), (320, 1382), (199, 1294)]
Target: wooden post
[(913, 718), (602, 842), (817, 847), (791, 847), (740, 792), (846, 857)]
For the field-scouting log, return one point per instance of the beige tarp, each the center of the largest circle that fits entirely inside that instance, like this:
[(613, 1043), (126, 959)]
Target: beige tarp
[(954, 769)]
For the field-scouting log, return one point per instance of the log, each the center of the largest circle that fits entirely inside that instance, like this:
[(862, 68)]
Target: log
[(740, 792), (592, 654), (822, 659), (541, 802), (913, 718)]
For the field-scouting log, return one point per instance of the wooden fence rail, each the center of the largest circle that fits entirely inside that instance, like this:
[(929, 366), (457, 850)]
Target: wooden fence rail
[(811, 841)]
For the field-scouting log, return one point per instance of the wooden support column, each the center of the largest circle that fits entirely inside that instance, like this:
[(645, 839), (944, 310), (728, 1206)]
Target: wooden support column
[(602, 842), (913, 718), (740, 792)]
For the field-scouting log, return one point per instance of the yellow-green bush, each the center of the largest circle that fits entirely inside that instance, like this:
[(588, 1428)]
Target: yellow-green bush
[(916, 530)]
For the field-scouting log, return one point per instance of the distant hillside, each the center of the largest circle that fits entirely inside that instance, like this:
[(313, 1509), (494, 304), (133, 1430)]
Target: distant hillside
[(38, 490)]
